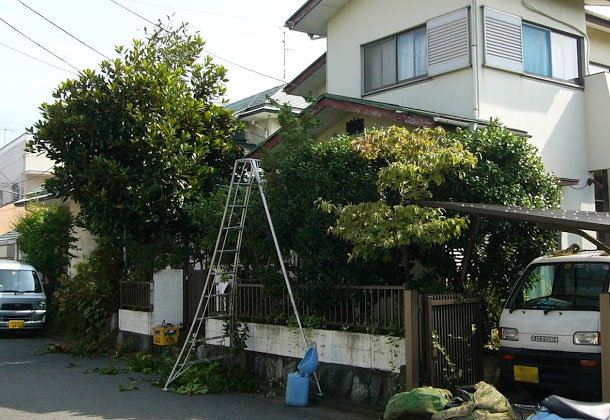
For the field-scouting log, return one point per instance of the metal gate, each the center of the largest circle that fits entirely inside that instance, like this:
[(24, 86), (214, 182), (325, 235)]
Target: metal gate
[(453, 340), (194, 281)]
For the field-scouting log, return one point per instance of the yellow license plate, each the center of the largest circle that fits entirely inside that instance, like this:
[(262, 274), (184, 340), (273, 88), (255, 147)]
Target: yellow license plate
[(526, 374), (16, 324)]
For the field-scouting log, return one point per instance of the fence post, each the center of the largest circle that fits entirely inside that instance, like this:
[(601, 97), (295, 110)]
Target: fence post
[(411, 303), (604, 313)]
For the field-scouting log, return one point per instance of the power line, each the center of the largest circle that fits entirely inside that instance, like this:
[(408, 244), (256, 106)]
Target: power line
[(38, 59), (206, 51), (203, 12), (47, 50), (64, 31)]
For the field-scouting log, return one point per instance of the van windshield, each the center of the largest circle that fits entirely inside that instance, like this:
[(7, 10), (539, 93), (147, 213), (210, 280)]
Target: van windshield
[(565, 286), (23, 281)]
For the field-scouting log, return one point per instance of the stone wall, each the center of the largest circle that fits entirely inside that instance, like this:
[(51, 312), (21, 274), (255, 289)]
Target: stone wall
[(360, 385)]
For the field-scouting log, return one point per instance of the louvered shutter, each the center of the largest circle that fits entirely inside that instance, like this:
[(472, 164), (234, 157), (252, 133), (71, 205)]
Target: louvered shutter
[(503, 47), (448, 42)]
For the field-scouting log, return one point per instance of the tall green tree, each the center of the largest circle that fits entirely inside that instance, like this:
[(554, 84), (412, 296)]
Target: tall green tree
[(46, 238), (509, 171), (140, 141), (415, 161)]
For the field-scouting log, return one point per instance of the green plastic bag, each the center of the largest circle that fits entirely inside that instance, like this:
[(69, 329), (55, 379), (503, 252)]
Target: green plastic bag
[(419, 403), (487, 404)]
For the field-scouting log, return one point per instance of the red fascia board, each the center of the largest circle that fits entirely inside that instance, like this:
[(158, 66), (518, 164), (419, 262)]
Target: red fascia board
[(301, 13), (360, 109), (291, 86), (373, 111)]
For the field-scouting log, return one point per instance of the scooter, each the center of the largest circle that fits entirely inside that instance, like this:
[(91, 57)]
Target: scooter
[(559, 408)]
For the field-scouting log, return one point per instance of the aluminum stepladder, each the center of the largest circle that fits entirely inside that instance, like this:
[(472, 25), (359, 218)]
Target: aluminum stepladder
[(218, 304)]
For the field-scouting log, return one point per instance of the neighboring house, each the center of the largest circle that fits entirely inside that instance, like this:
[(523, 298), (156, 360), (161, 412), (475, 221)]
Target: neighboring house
[(540, 66), (259, 115), (22, 175)]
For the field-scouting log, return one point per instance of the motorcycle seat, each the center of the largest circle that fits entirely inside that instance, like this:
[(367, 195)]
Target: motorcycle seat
[(567, 408)]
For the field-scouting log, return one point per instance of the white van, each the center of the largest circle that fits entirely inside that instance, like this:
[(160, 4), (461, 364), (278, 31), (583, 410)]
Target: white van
[(23, 304), (550, 326)]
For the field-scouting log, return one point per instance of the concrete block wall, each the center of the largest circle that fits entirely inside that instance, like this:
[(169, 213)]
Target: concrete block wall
[(166, 298), (369, 351)]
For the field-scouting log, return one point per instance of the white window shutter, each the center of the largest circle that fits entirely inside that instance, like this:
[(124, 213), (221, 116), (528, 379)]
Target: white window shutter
[(448, 42), (503, 45)]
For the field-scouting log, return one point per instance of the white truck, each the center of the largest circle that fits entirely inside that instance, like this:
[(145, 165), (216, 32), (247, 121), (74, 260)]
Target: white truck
[(550, 326)]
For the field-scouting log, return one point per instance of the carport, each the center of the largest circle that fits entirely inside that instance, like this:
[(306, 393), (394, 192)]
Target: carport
[(571, 221)]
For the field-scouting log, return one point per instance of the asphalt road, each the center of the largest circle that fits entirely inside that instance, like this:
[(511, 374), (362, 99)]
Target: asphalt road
[(39, 385)]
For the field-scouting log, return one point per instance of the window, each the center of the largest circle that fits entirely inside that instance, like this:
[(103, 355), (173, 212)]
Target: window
[(439, 46), (513, 45), (354, 127), (550, 54), (395, 59), (15, 192)]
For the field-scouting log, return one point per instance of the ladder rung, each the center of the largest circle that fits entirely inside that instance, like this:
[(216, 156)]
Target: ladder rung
[(219, 295), (229, 251), (242, 184), (228, 273), (208, 359), (238, 206), (232, 228), (204, 339), (219, 316)]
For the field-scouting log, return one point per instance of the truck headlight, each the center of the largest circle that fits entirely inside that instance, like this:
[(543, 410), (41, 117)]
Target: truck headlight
[(42, 305), (511, 334), (587, 338)]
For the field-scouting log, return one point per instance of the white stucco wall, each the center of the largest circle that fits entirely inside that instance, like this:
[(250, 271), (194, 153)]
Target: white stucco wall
[(363, 21), (552, 113), (166, 295), (345, 348), (600, 46)]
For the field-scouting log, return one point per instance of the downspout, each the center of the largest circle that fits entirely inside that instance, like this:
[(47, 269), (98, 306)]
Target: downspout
[(474, 58)]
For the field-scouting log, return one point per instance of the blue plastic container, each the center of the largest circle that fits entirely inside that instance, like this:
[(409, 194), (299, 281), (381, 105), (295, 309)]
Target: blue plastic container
[(297, 390), (309, 364)]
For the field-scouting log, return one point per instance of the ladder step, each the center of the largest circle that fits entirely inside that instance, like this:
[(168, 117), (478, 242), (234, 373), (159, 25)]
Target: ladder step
[(208, 359), (219, 295), (228, 251), (232, 228), (228, 273), (203, 340), (219, 316), (242, 184), (237, 206)]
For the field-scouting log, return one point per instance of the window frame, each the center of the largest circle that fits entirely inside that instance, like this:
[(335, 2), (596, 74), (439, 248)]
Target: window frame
[(578, 81), (398, 82)]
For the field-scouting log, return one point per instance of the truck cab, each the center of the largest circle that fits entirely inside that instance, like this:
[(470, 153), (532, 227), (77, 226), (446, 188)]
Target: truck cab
[(550, 325)]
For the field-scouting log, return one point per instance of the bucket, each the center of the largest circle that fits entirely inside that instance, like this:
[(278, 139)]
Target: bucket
[(297, 390), (309, 364)]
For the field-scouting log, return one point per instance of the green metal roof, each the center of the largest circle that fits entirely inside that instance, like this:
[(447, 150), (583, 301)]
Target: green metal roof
[(9, 236), (254, 100)]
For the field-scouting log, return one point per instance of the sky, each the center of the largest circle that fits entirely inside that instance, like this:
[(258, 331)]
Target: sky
[(238, 33)]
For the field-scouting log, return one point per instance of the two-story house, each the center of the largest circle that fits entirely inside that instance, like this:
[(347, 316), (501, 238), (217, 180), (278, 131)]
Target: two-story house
[(540, 66)]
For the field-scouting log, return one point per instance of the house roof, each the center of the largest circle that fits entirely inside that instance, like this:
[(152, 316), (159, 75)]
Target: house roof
[(9, 237), (332, 108), (309, 79), (253, 101), (313, 15)]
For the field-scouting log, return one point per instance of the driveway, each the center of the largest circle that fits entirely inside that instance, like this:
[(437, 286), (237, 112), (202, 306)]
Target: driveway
[(40, 385)]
